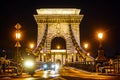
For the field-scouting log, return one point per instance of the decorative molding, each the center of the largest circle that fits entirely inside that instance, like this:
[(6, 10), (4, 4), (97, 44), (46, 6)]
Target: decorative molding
[(58, 18)]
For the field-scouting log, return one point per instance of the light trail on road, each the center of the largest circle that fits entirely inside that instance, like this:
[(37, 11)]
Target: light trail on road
[(65, 73)]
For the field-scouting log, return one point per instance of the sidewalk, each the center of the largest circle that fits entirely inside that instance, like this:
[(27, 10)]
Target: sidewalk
[(109, 74), (8, 75), (87, 72)]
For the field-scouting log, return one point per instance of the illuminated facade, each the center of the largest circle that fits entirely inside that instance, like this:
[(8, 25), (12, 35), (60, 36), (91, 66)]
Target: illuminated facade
[(58, 22)]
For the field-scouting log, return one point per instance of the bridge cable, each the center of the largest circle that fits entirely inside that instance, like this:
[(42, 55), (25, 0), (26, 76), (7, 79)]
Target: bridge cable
[(77, 47), (41, 42)]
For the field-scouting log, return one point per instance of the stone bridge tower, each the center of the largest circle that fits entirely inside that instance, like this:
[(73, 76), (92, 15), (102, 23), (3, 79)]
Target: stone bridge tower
[(54, 31)]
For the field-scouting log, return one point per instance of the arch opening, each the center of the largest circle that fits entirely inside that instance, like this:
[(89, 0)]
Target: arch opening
[(58, 43)]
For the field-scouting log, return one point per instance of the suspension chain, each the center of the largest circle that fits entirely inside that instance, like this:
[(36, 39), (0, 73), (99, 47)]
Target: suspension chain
[(42, 41), (79, 51)]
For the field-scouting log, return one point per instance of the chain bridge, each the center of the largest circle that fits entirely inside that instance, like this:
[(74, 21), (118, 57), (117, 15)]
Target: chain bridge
[(58, 37)]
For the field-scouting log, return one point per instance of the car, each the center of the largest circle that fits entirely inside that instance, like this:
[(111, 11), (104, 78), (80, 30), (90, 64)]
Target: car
[(49, 66)]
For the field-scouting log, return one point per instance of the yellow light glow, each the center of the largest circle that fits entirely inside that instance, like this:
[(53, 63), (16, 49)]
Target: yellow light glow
[(58, 47), (58, 50), (45, 75), (18, 35), (100, 35), (29, 63), (41, 51), (31, 45), (44, 54), (85, 45), (58, 11), (88, 54)]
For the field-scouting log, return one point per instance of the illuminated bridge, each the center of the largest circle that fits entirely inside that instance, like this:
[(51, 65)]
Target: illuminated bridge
[(58, 36)]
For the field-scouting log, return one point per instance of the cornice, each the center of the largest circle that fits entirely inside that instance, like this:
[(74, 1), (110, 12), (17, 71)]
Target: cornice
[(58, 18)]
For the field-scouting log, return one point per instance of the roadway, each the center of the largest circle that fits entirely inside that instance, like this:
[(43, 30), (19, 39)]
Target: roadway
[(65, 73)]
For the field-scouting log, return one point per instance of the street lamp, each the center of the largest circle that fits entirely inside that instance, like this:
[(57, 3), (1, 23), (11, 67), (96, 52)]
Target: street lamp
[(18, 36), (58, 47), (86, 45), (88, 54), (29, 50), (86, 48), (31, 45), (17, 45), (100, 57), (76, 52), (100, 37)]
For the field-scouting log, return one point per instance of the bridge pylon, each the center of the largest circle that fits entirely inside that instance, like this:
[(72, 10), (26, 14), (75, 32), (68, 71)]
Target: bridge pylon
[(59, 27)]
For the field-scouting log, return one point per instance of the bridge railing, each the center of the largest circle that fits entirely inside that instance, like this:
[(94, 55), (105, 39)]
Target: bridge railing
[(85, 65)]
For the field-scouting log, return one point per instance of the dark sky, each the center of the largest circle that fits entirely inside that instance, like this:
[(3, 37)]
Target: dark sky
[(98, 15)]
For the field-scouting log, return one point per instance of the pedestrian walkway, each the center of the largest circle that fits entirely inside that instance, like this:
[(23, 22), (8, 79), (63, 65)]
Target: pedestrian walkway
[(87, 72), (7, 74)]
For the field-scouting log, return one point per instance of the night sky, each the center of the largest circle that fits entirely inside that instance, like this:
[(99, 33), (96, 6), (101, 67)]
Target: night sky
[(98, 15)]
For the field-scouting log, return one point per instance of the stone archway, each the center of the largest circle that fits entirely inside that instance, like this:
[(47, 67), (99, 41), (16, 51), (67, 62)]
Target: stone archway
[(58, 50), (58, 61), (58, 41)]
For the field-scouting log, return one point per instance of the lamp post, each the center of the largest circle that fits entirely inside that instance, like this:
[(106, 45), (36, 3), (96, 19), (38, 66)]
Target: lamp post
[(86, 45), (100, 58), (100, 37), (29, 50), (17, 45), (76, 55), (86, 48), (31, 47), (18, 36)]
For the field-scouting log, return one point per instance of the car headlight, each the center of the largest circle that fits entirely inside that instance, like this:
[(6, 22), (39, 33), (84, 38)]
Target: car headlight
[(45, 66), (52, 66), (29, 63)]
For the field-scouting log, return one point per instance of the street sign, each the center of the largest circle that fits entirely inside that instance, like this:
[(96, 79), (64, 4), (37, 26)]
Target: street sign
[(17, 44), (17, 26)]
